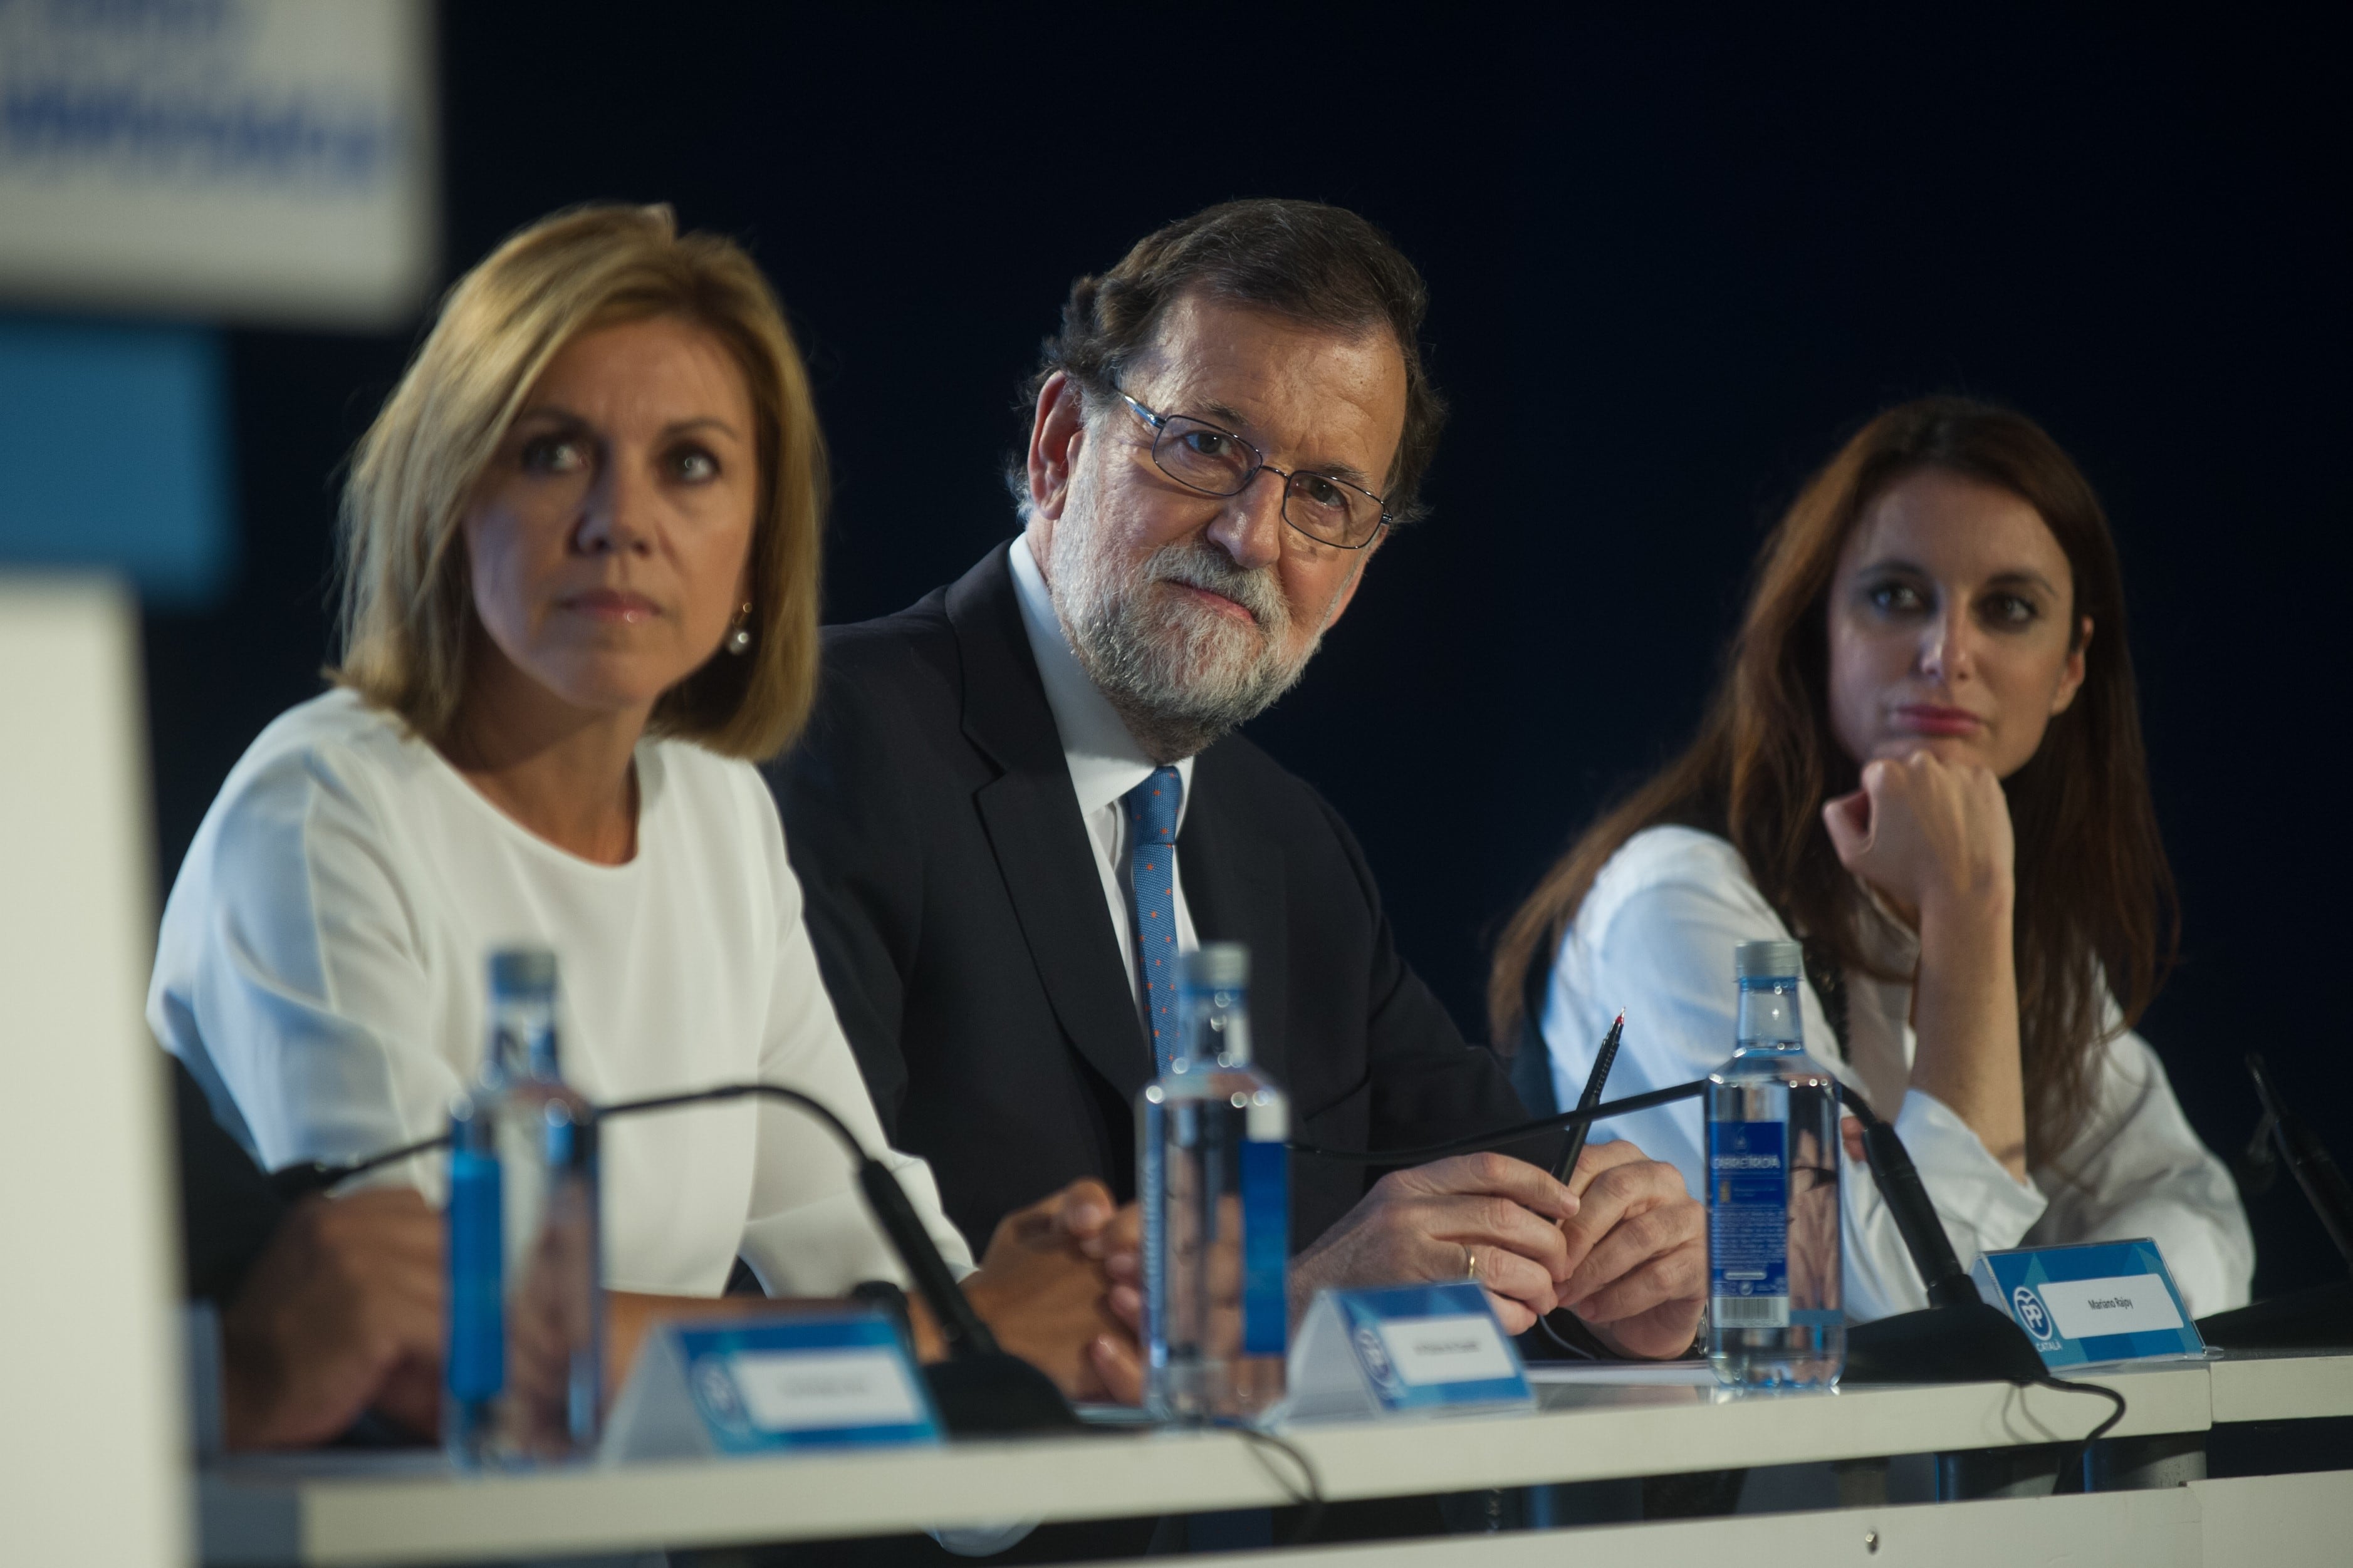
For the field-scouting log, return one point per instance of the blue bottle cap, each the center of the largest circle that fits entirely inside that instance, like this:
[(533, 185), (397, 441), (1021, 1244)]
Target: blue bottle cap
[(522, 971)]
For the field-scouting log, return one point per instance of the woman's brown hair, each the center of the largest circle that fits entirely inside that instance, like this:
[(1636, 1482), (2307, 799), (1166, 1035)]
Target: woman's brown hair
[(408, 605), (2094, 897)]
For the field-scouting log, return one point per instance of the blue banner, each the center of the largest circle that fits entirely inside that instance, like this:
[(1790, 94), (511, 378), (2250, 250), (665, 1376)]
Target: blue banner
[(115, 440)]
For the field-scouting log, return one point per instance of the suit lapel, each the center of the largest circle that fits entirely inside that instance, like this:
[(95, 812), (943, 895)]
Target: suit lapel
[(1232, 870), (1031, 817)]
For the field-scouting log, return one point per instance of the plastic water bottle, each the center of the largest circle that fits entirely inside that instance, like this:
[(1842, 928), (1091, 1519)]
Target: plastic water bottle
[(1774, 1313), (1214, 1181), (524, 1371)]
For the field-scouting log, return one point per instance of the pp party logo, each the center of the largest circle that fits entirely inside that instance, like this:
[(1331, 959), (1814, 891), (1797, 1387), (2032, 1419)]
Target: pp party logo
[(2033, 1315)]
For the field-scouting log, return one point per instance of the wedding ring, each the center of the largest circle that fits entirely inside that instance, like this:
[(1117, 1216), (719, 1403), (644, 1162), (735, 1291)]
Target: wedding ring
[(1470, 1263)]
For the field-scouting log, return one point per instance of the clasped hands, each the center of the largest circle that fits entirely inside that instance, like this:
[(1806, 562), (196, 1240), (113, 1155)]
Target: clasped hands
[(1621, 1244), (343, 1310)]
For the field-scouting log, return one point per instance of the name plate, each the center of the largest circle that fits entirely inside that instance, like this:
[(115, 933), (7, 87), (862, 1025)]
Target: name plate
[(2097, 1301), (757, 1385), (1405, 1350)]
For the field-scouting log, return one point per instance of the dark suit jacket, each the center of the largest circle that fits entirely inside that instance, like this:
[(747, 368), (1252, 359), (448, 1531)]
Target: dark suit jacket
[(958, 918), (228, 1210)]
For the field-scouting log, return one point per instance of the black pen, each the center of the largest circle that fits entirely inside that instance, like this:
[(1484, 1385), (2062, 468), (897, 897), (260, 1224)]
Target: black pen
[(1591, 1098)]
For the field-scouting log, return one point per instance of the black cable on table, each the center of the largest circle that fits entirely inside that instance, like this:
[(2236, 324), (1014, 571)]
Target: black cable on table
[(1307, 1494), (2070, 1478)]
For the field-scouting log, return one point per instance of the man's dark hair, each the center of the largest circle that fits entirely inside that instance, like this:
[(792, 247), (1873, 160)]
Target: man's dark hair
[(1319, 265)]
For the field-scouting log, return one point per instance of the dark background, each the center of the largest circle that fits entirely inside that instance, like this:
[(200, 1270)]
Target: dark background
[(1671, 269)]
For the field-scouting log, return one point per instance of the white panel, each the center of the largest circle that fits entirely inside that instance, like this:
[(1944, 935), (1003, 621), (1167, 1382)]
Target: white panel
[(345, 1513), (91, 1462), (269, 159), (2279, 1522), (2259, 1386), (268, 1514), (2142, 1530)]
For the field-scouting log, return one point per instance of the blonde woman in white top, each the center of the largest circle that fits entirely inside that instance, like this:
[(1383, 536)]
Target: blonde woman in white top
[(1924, 764), (581, 573)]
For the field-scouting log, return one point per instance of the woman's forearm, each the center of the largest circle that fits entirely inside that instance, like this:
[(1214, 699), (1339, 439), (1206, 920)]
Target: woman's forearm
[(1965, 1014)]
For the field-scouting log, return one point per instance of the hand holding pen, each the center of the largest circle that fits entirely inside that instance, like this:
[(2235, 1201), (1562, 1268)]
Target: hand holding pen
[(1637, 1245)]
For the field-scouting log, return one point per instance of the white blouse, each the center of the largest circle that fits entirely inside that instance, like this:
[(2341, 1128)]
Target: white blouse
[(321, 971), (1655, 937)]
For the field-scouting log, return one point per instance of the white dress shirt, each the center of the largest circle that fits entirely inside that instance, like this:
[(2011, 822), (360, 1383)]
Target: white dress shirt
[(1104, 761), (1655, 937), (321, 971)]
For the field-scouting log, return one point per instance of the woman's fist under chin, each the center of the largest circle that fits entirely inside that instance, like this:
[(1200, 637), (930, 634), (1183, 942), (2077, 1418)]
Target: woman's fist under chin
[(1925, 833)]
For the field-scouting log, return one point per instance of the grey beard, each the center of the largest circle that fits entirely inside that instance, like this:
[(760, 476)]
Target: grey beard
[(1180, 677)]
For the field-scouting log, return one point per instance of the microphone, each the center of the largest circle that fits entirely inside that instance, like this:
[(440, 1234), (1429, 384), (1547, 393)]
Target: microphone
[(1956, 1338), (980, 1388), (1899, 1183), (2308, 1159), (2319, 1316)]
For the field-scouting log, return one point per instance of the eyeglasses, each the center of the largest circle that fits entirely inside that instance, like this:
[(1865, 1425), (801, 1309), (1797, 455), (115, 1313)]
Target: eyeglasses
[(1217, 462)]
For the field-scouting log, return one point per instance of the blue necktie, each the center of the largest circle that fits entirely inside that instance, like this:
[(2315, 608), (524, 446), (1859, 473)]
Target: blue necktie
[(1151, 863)]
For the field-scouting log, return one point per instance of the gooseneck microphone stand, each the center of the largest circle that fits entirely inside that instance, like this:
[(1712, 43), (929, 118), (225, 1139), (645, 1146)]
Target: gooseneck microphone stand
[(1956, 1338), (980, 1388), (2319, 1317)]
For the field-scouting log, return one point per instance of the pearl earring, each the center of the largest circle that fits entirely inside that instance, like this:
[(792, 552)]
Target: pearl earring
[(739, 641)]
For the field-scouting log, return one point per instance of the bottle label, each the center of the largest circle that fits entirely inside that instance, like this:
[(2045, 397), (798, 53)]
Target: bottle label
[(477, 1353), (1150, 1184), (1748, 1224), (1266, 1246)]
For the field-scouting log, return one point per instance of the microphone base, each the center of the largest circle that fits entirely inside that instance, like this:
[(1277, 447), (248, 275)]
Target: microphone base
[(2320, 1318), (990, 1393), (1966, 1341)]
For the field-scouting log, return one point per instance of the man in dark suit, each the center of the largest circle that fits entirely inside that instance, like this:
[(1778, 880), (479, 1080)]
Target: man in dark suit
[(1021, 798), (327, 1309)]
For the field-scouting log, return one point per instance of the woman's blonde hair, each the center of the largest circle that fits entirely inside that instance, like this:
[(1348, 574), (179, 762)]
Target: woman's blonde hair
[(407, 601)]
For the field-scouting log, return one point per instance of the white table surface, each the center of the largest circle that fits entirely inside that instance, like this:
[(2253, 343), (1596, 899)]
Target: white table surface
[(323, 1510), (2281, 1385)]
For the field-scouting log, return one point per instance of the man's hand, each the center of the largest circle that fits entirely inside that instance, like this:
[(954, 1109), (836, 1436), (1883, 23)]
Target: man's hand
[(1043, 1295), (1428, 1222), (343, 1310), (1637, 1250)]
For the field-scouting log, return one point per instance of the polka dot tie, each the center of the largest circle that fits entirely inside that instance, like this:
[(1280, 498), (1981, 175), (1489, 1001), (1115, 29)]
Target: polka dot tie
[(1151, 850)]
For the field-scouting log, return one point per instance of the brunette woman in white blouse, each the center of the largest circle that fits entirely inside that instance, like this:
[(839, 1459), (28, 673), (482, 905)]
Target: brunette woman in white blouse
[(1925, 763), (580, 592)]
